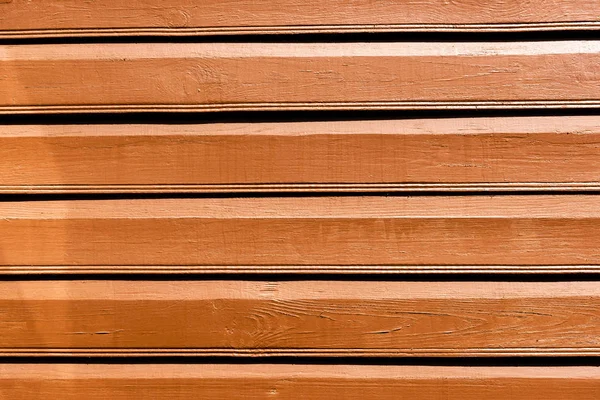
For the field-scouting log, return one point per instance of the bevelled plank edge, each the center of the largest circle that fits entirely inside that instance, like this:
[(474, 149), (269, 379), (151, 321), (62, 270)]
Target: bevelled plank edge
[(298, 269), (325, 106), (221, 352), (42, 371), (307, 29), (306, 188)]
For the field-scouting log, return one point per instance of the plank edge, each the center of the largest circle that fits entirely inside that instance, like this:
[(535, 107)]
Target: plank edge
[(299, 269), (48, 371), (304, 188), (258, 353), (324, 106), (306, 29)]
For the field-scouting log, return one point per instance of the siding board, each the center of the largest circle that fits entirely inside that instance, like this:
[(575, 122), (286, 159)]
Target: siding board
[(137, 282), (463, 154), (312, 382), (299, 318), (19, 18), (302, 76), (299, 235)]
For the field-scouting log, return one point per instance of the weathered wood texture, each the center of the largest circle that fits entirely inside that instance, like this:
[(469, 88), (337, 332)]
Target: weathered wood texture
[(299, 318), (284, 76), (21, 18), (467, 154), (311, 382), (327, 234)]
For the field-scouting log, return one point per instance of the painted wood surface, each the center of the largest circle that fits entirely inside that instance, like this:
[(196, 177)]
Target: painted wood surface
[(299, 318), (312, 382), (37, 18), (460, 154), (298, 235), (284, 76)]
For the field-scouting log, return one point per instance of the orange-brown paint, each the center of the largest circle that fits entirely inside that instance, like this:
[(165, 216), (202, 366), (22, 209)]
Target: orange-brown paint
[(209, 17)]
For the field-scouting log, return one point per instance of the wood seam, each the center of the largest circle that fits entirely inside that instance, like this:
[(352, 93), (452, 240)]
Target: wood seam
[(305, 188), (350, 352), (324, 106), (299, 269), (306, 29)]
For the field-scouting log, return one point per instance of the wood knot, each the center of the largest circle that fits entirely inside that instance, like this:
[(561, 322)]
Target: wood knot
[(176, 18)]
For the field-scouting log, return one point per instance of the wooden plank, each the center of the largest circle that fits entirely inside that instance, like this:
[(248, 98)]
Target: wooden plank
[(462, 154), (299, 318), (314, 235), (283, 76), (311, 382), (19, 18)]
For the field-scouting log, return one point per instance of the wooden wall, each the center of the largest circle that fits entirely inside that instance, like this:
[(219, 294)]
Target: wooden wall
[(300, 199)]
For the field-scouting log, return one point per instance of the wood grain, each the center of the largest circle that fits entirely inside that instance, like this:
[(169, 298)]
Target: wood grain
[(311, 382), (299, 318), (462, 154), (315, 235), (302, 76), (20, 18)]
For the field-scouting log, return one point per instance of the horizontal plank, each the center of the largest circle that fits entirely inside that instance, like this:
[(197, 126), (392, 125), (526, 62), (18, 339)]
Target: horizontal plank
[(187, 77), (186, 382), (462, 154), (299, 318), (187, 17), (315, 235)]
